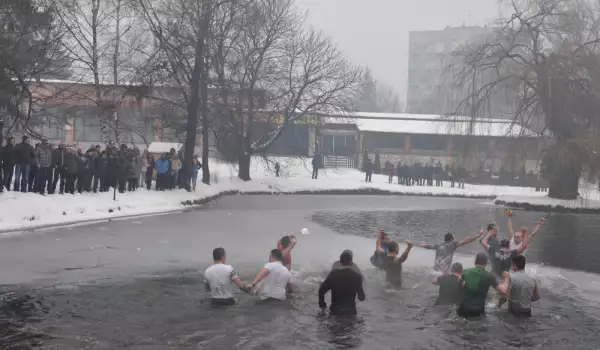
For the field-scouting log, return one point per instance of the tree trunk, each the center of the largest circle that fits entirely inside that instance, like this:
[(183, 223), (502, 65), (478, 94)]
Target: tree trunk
[(115, 111), (205, 124), (244, 167), (564, 183)]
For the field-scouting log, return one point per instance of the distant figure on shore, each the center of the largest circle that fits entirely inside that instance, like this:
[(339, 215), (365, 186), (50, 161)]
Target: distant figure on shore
[(345, 285), (317, 161), (368, 170)]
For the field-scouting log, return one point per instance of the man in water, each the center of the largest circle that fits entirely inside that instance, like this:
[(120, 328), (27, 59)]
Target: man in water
[(218, 278), (278, 279), (476, 282), (285, 245), (339, 265), (392, 263), (381, 248), (345, 285), (522, 290), (445, 252), (516, 239), (501, 256), (451, 290)]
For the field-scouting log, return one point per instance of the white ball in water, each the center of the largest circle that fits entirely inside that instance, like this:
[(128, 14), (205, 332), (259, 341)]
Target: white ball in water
[(305, 231)]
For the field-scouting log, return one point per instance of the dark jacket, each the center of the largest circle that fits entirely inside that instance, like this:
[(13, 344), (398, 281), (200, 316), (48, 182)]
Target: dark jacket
[(71, 163), (151, 167), (23, 153), (58, 157), (43, 155), (8, 156), (99, 166), (133, 168), (112, 168)]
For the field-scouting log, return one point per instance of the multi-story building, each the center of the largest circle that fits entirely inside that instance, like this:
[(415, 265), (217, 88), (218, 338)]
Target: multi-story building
[(438, 82)]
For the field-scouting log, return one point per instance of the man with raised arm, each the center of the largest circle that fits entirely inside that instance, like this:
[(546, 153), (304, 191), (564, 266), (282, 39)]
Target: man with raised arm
[(392, 263), (218, 278), (381, 248), (476, 282), (444, 252), (516, 239), (285, 245)]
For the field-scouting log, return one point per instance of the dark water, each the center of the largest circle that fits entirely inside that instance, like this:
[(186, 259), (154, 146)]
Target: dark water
[(166, 308)]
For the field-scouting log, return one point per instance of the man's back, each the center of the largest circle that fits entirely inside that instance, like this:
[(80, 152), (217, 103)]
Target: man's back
[(338, 265), (276, 281), (393, 270), (219, 277), (521, 291), (477, 282), (501, 260), (443, 256), (451, 291), (345, 285)]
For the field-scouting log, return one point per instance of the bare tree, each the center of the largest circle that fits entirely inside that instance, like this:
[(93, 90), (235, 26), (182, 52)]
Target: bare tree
[(181, 29), (269, 69), (373, 96), (547, 52)]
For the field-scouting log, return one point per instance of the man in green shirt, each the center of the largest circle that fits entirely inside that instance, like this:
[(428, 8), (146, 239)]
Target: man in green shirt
[(477, 281)]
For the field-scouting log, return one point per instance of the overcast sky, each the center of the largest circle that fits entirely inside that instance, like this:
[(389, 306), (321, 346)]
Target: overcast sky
[(375, 32)]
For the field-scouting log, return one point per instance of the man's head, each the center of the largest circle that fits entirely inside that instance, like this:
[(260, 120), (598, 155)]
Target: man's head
[(456, 268), (275, 255), (219, 254), (481, 259), (393, 247), (11, 140), (449, 237), (25, 139), (519, 235), (519, 263), (45, 142), (346, 258), (384, 237), (493, 229), (285, 241), (504, 244)]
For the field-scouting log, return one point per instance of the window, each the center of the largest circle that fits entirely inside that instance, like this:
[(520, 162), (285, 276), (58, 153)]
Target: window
[(429, 142)]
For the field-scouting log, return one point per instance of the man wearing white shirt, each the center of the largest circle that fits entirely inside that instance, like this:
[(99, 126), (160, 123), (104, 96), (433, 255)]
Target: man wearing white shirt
[(277, 278), (518, 238), (218, 278)]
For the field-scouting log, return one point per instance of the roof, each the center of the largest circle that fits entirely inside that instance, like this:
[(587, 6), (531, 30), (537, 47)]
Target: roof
[(431, 124), (163, 147)]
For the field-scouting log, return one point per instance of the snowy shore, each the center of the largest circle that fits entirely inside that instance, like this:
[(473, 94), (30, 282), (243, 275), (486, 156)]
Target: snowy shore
[(26, 211)]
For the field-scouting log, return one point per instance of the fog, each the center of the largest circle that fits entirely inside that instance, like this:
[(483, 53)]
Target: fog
[(375, 32)]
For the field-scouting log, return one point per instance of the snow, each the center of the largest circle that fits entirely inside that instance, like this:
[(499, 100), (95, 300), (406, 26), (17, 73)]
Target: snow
[(22, 211), (163, 147), (589, 198), (431, 124)]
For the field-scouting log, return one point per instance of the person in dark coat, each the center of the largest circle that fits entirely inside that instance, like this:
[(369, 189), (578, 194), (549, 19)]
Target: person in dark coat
[(43, 156), (438, 172), (23, 160), (33, 170), (400, 173), (8, 162), (71, 169), (316, 165), (133, 171), (123, 159), (368, 170), (150, 166), (60, 170), (277, 169), (112, 170), (100, 173)]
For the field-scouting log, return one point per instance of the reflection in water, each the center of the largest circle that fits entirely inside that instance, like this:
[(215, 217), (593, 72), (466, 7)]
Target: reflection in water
[(343, 332)]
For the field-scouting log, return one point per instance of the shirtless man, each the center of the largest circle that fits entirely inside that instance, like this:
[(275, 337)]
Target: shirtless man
[(516, 239), (444, 252), (381, 248), (285, 245)]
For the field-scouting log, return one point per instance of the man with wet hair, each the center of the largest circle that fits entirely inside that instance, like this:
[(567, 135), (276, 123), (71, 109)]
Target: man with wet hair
[(277, 278), (218, 278), (451, 291), (501, 257), (392, 263), (339, 265), (381, 248), (516, 239), (285, 245), (345, 285), (444, 252), (476, 283), (522, 289)]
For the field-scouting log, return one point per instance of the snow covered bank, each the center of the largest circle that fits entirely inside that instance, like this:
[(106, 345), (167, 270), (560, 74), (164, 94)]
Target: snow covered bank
[(23, 211)]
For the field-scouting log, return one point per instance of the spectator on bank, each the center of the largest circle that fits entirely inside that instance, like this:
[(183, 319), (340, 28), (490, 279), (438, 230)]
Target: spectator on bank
[(317, 162), (162, 172), (389, 168), (43, 157), (368, 170), (8, 162), (60, 172), (31, 181), (71, 169), (123, 160), (23, 159), (143, 167), (112, 170), (99, 180), (277, 169), (196, 166), (151, 165), (133, 172), (175, 168)]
